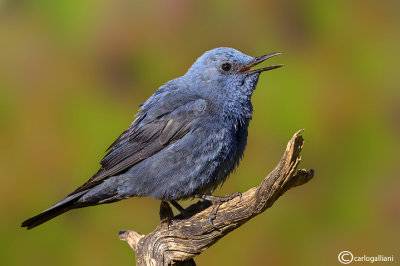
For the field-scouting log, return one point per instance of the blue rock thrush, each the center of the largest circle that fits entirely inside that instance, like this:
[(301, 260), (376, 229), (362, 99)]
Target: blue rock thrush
[(187, 138)]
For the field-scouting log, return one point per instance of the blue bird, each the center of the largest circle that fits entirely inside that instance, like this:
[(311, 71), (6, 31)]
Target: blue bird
[(186, 140)]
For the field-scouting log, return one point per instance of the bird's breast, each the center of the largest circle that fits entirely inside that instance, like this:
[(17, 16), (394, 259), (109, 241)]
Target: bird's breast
[(227, 151)]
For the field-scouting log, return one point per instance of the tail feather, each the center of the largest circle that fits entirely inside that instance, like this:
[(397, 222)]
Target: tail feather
[(65, 205)]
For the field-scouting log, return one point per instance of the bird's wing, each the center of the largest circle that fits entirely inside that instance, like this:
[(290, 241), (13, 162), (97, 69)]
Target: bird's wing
[(151, 132)]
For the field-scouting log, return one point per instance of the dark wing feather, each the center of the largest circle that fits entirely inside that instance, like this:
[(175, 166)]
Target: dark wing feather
[(145, 138)]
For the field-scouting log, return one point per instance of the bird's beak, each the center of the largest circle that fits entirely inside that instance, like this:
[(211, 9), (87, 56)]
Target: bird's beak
[(257, 61)]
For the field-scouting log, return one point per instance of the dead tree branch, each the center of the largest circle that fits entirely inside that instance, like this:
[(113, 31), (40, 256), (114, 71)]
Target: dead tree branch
[(177, 239)]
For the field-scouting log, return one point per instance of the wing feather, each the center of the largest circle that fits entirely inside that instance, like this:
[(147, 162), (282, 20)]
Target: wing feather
[(145, 137)]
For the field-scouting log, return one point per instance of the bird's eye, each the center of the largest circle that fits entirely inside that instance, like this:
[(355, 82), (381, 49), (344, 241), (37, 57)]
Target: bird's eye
[(226, 66)]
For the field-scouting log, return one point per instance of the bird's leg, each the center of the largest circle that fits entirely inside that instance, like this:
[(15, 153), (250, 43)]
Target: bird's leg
[(165, 211), (217, 201), (166, 214), (179, 208)]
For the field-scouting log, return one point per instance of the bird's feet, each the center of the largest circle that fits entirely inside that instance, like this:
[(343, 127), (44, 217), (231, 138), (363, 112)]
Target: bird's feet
[(217, 201)]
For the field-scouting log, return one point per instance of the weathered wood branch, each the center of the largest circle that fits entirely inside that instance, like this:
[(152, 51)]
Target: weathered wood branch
[(177, 239)]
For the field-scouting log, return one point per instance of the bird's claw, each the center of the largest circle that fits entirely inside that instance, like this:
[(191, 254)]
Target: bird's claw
[(217, 201), (236, 194), (211, 219), (213, 215)]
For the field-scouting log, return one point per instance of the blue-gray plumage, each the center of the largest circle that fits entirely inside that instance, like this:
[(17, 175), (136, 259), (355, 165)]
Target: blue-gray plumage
[(187, 137)]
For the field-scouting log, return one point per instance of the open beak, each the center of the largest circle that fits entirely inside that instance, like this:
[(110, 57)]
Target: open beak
[(257, 61)]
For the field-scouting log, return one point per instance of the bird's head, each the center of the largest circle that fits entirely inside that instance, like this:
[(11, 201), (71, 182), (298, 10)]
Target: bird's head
[(226, 71)]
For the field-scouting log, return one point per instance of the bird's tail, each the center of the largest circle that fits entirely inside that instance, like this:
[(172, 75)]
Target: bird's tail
[(65, 205)]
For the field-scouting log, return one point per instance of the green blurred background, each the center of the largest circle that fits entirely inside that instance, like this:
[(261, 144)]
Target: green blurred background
[(72, 74)]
